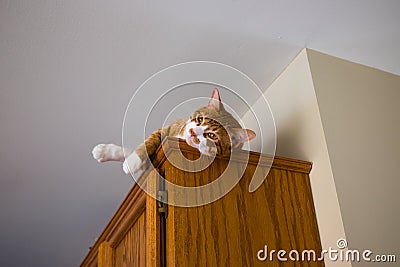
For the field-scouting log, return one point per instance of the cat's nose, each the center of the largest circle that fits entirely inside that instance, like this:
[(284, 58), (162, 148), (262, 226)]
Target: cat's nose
[(192, 132), (196, 131)]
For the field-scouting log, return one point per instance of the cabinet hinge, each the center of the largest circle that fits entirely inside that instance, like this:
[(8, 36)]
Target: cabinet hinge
[(162, 200)]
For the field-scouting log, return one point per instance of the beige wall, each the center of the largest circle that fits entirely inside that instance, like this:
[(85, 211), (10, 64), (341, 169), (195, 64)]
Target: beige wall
[(300, 135), (343, 117), (360, 111)]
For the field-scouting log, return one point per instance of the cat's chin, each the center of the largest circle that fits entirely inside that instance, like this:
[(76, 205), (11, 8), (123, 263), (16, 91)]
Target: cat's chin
[(202, 148), (191, 143)]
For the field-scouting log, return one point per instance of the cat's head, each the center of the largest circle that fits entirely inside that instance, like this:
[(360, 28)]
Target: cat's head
[(213, 130)]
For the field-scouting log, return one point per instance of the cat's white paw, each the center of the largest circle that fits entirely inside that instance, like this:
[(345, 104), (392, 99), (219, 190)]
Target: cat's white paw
[(99, 153), (132, 164), (108, 152)]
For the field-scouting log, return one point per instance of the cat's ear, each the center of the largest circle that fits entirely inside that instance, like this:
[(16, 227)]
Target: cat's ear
[(239, 136), (215, 100)]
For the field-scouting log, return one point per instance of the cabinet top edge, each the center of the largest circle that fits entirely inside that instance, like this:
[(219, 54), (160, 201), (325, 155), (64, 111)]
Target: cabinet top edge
[(171, 144)]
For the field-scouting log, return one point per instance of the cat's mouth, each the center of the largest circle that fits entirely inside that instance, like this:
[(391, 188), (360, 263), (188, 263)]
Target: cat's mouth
[(193, 141)]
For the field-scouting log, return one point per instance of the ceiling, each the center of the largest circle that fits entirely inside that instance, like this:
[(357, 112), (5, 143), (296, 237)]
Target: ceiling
[(69, 68)]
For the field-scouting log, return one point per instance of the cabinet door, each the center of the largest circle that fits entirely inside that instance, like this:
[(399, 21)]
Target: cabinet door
[(133, 237), (232, 230)]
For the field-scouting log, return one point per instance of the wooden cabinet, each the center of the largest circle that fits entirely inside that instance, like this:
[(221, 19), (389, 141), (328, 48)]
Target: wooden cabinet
[(227, 232)]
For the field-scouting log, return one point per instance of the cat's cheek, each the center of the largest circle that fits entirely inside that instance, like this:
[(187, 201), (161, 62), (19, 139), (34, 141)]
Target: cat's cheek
[(132, 164)]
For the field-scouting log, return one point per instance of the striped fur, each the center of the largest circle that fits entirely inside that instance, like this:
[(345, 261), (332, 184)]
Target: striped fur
[(210, 129)]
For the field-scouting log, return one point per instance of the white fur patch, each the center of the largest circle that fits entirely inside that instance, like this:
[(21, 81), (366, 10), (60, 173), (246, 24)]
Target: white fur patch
[(109, 152), (199, 130), (132, 164), (192, 125), (207, 150)]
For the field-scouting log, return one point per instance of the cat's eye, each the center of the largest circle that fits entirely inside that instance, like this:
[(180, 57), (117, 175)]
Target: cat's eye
[(211, 135), (200, 119)]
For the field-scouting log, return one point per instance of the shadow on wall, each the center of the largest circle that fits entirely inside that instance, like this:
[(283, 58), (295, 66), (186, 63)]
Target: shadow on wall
[(290, 136)]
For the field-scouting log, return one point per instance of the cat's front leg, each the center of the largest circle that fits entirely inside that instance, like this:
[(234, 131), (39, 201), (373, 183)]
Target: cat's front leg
[(133, 164), (109, 152), (136, 161)]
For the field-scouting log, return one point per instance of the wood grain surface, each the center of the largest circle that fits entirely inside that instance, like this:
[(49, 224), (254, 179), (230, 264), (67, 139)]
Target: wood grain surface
[(153, 238), (231, 230), (131, 251), (227, 232), (105, 255)]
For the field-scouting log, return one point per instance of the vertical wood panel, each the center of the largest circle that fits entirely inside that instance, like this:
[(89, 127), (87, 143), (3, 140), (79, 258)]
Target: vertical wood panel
[(131, 251), (152, 222), (106, 255)]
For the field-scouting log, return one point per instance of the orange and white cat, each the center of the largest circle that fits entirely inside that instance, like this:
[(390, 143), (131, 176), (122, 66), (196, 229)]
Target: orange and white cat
[(211, 129)]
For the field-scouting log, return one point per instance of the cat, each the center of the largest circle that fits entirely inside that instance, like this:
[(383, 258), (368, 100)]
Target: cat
[(210, 129)]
